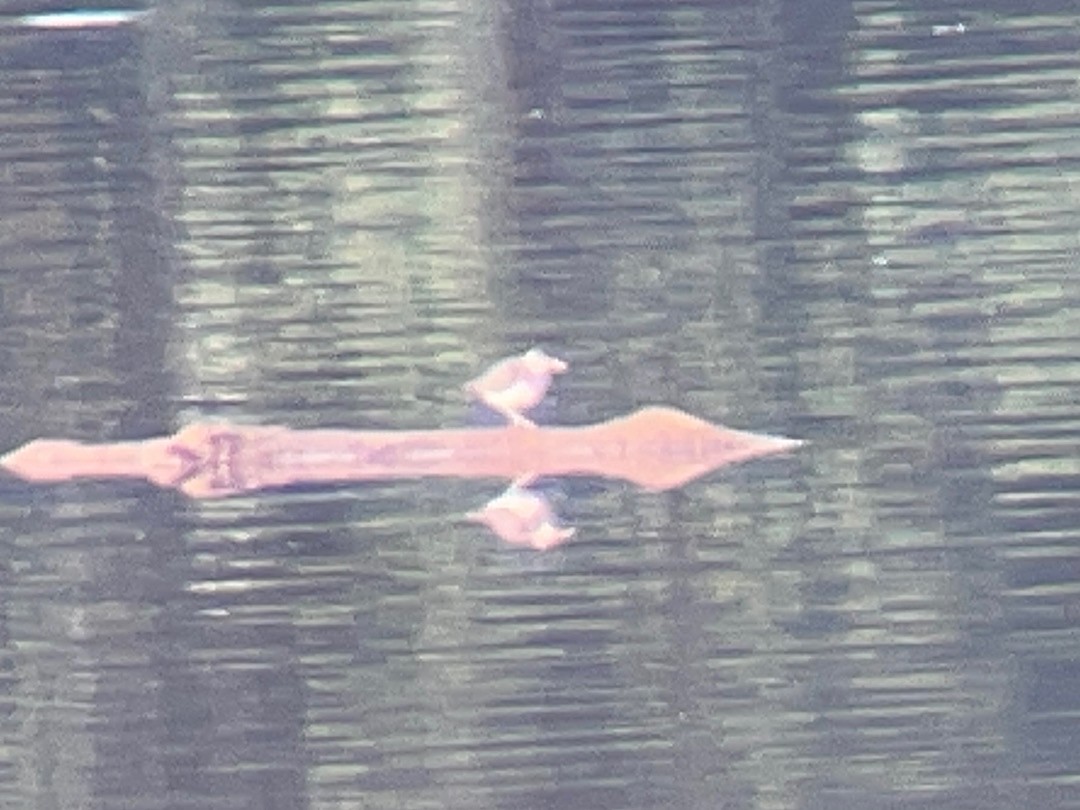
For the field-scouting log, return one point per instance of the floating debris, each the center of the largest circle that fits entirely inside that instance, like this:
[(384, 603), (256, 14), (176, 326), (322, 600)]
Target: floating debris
[(948, 30), (656, 447), (90, 18)]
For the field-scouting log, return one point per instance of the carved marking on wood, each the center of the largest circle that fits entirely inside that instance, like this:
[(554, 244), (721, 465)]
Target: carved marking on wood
[(218, 468), (191, 464)]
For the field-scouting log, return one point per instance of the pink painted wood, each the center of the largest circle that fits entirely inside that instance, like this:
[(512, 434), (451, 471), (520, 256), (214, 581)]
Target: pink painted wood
[(657, 448)]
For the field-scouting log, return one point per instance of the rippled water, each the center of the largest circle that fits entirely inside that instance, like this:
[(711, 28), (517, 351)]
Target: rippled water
[(854, 223)]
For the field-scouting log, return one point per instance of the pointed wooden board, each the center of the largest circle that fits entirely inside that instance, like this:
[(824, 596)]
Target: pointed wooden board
[(656, 448)]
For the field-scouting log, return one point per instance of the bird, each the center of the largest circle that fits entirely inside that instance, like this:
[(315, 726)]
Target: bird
[(522, 517), (516, 384)]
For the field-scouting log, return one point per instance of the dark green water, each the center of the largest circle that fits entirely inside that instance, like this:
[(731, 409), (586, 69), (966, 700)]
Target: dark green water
[(851, 223)]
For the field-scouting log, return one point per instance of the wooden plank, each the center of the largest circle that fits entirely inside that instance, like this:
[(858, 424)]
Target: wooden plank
[(657, 448)]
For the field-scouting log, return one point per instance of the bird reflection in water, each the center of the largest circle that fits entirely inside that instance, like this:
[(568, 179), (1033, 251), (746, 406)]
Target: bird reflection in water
[(522, 517)]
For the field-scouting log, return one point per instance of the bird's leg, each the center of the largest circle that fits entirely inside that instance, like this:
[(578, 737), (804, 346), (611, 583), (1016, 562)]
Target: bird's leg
[(522, 421), (513, 417), (523, 481)]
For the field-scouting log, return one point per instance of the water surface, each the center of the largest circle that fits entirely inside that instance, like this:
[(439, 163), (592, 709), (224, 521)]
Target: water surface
[(854, 223)]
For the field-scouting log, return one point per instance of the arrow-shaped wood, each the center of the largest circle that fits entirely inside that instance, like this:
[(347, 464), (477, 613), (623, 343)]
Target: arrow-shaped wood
[(656, 448)]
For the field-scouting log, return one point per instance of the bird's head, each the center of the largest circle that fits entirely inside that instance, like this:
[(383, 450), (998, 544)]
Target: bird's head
[(537, 361)]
